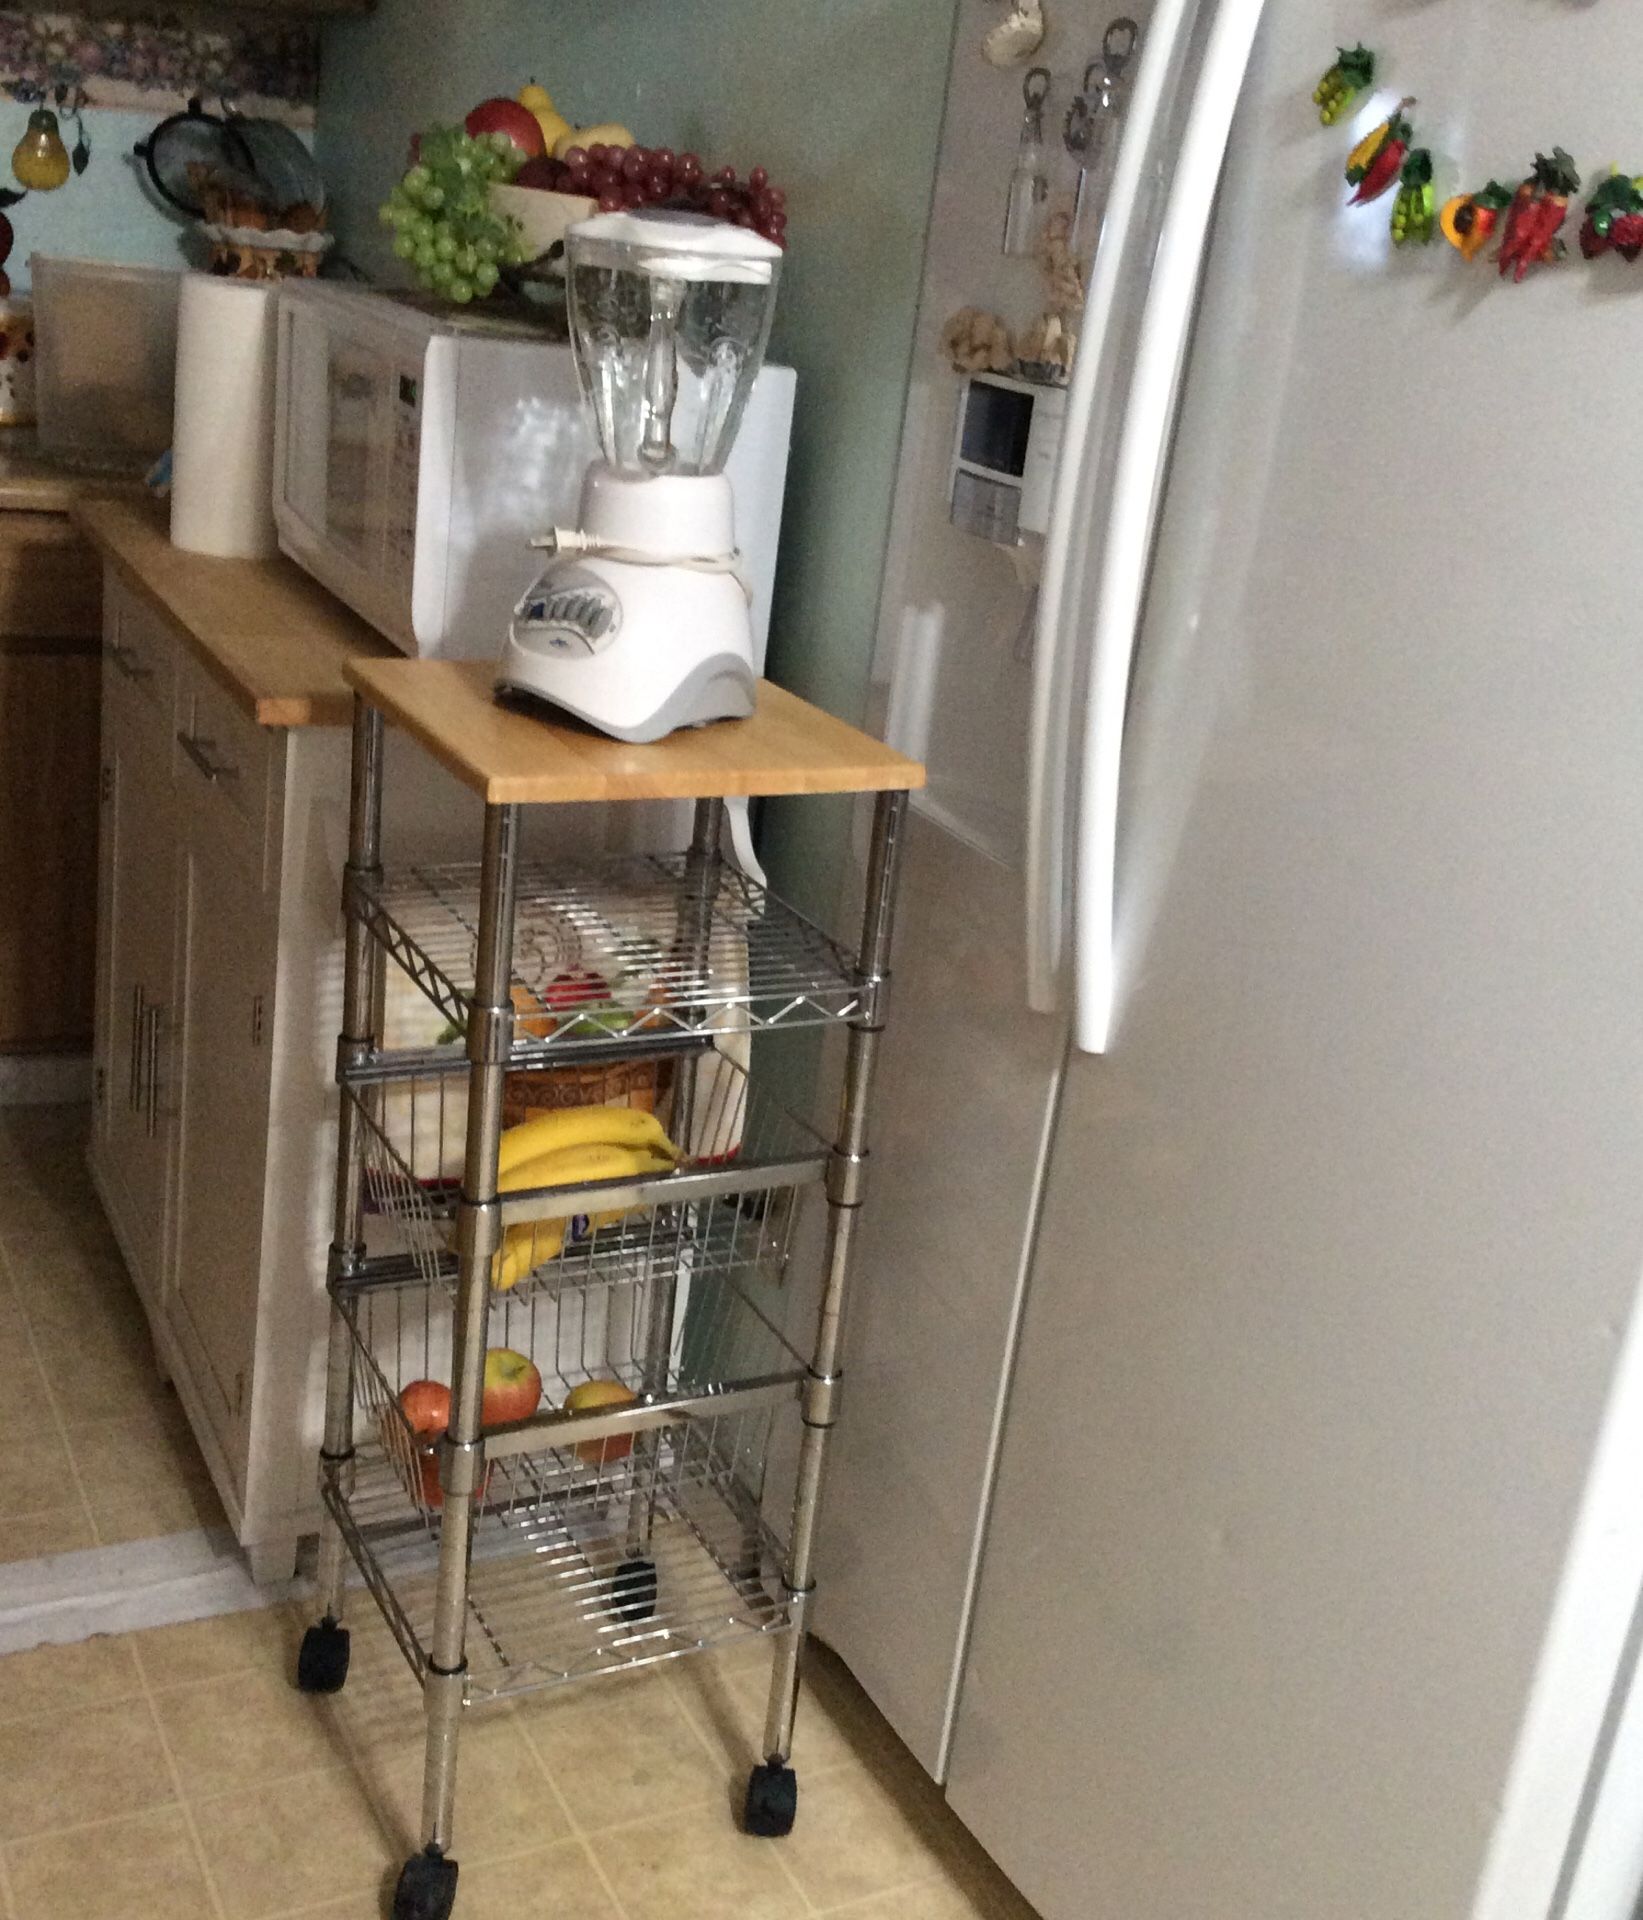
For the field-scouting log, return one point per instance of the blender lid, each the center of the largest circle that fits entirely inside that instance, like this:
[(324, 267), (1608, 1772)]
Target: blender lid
[(682, 246)]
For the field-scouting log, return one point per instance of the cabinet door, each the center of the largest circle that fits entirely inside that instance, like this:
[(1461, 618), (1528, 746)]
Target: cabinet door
[(227, 969), (136, 1084), (48, 823)]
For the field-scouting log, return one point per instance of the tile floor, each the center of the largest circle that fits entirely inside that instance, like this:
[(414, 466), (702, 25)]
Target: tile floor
[(105, 1455), (176, 1772)]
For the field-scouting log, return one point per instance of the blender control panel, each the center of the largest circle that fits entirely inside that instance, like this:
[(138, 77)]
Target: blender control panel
[(568, 611)]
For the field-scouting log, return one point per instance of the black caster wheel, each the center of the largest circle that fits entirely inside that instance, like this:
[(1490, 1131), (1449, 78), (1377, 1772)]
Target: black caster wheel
[(322, 1663), (772, 1801), (426, 1889), (633, 1591)]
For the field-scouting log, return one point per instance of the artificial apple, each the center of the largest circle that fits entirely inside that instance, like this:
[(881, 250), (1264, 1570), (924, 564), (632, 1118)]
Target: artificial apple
[(426, 1405), (584, 1398), (507, 116), (513, 1387)]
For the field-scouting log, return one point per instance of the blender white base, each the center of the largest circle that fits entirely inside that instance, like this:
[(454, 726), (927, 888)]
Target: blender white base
[(679, 655)]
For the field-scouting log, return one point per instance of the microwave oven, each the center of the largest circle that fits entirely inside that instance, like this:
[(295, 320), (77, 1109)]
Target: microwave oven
[(418, 452)]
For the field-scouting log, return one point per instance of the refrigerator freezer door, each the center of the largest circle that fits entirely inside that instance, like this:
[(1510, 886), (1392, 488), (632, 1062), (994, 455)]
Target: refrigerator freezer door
[(1315, 1545), (958, 1134)]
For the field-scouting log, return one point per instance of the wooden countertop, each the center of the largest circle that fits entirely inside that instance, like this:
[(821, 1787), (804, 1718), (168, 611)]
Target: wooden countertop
[(788, 746), (30, 482), (277, 641)]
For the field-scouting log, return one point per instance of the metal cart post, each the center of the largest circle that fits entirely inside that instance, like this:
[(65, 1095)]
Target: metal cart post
[(772, 1791), (322, 1664), (623, 1521)]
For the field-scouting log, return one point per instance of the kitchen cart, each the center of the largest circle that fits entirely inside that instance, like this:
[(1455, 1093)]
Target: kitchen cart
[(623, 1518)]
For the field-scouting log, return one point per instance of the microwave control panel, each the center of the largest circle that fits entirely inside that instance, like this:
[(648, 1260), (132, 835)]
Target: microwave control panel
[(404, 463)]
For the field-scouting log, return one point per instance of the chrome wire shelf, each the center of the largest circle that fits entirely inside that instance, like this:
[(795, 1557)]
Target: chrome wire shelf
[(608, 948), (557, 1590), (739, 1144), (666, 1333)]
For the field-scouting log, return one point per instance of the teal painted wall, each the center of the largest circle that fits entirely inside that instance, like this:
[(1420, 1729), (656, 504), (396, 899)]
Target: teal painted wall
[(842, 101), (105, 214)]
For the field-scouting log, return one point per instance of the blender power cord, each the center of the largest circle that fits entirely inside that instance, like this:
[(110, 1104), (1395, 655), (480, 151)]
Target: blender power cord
[(573, 540)]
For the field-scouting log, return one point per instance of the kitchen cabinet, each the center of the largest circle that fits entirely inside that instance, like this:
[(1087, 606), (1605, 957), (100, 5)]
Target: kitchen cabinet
[(219, 943), (49, 692), (208, 1159)]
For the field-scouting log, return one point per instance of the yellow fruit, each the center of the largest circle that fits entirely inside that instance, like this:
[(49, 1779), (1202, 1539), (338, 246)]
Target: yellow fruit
[(524, 1248), (537, 98), (40, 160), (579, 1126), (609, 135), (584, 1398), (578, 1165), (554, 127)]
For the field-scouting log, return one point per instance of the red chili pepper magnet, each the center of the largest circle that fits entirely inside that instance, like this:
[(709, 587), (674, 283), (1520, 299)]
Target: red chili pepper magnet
[(1377, 159), (1537, 213)]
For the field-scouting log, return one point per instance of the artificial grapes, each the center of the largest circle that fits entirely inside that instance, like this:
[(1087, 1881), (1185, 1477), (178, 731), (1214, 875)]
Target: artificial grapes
[(441, 214)]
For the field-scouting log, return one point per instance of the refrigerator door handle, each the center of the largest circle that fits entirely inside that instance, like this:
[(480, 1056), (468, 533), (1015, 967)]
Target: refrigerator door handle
[(1132, 514), (1092, 398)]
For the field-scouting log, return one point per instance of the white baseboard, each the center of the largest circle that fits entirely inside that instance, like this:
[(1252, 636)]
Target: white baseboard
[(44, 1079), (150, 1583)]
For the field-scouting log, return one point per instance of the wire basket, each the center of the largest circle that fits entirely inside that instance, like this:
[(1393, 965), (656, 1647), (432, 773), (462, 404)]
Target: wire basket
[(736, 1142), (656, 943)]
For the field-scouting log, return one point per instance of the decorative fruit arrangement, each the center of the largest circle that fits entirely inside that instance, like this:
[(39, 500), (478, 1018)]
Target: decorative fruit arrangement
[(1414, 212), (1354, 69), (618, 176), (445, 227), (1614, 219), (1376, 161), (1469, 220), (1539, 208)]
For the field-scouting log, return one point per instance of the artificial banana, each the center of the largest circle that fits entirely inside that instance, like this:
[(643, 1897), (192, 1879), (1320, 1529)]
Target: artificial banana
[(529, 1243), (579, 1126)]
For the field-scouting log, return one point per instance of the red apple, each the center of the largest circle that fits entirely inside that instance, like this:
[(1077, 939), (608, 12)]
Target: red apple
[(513, 1387), (507, 116), (426, 1405), (580, 987)]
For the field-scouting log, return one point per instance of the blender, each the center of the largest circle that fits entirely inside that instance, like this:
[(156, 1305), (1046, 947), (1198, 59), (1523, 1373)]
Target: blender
[(640, 623)]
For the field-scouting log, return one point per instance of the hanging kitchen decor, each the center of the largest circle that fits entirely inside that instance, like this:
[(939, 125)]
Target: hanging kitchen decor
[(1016, 37), (1537, 213), (1029, 177), (1377, 160), (1414, 212), (1469, 220), (1090, 130), (40, 162), (1353, 71), (1614, 219)]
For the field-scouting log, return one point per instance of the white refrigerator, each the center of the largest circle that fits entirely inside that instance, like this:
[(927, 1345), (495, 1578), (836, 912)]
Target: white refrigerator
[(1240, 1496)]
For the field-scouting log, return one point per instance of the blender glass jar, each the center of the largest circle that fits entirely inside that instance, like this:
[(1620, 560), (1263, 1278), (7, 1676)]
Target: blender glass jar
[(669, 315)]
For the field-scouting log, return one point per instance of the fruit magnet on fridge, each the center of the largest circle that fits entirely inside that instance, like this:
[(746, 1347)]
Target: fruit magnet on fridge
[(1538, 210), (1376, 161), (1352, 72), (1414, 212), (1614, 219), (1468, 221)]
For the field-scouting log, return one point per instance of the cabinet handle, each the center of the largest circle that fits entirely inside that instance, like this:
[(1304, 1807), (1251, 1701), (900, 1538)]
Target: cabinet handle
[(130, 662), (134, 1081), (199, 751), (152, 1117)]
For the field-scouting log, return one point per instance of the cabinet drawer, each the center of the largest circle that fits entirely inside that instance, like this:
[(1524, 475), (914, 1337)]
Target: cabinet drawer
[(225, 760), (139, 657)]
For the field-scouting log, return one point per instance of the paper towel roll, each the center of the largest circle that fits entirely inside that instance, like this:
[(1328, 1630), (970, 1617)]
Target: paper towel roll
[(222, 478)]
